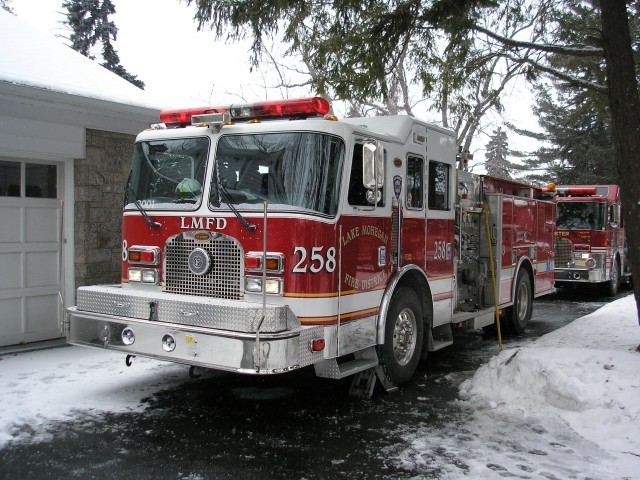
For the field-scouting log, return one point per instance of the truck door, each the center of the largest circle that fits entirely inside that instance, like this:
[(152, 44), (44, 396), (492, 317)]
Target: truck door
[(440, 210)]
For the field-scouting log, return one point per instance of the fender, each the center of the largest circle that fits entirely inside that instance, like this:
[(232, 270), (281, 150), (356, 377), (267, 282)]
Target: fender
[(391, 288), (521, 264)]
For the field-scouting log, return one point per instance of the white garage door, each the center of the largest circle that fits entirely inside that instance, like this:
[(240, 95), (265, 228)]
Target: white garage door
[(30, 251)]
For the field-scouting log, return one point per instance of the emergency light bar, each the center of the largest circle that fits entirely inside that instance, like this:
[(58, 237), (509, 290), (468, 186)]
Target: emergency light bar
[(576, 191), (300, 107)]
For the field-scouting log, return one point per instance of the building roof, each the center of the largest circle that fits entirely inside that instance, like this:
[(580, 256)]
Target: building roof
[(38, 73)]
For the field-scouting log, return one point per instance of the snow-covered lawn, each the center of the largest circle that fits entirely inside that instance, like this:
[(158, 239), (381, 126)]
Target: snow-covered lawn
[(564, 406)]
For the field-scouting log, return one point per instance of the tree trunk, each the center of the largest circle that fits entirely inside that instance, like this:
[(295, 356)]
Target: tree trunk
[(625, 113)]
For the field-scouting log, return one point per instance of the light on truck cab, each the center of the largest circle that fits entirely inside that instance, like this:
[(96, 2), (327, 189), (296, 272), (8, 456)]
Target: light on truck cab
[(182, 117), (576, 191), (143, 275), (274, 286), (143, 255), (551, 187), (582, 247), (289, 108), (274, 262)]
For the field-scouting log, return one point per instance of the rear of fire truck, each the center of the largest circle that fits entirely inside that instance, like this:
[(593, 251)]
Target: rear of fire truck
[(590, 243)]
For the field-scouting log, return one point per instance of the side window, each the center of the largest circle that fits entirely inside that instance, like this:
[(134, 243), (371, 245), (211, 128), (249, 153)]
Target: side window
[(357, 192), (415, 183), (439, 195)]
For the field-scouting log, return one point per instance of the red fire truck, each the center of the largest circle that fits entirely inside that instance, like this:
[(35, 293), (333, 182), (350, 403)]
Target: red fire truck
[(590, 245), (266, 237)]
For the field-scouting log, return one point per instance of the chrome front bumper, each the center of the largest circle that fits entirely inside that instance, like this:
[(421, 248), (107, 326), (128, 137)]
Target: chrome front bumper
[(579, 275), (210, 333)]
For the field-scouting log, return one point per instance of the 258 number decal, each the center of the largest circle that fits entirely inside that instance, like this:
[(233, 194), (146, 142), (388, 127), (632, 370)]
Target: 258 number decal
[(442, 251), (316, 262)]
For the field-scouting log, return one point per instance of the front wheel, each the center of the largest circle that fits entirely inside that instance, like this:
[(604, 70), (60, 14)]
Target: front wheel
[(520, 312), (404, 333)]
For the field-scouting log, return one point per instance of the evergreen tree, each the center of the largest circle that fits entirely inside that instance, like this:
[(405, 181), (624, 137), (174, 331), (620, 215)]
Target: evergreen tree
[(6, 5), (90, 25), (496, 162)]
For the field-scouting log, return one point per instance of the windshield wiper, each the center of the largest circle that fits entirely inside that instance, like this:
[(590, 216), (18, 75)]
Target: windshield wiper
[(223, 190), (146, 217)]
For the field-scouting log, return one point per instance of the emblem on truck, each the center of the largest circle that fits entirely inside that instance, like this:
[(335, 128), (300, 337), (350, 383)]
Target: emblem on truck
[(199, 261)]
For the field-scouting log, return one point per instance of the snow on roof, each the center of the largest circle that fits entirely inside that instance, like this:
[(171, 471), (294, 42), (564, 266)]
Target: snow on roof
[(36, 59)]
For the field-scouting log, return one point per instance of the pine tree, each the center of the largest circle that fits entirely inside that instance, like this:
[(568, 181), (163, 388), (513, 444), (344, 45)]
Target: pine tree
[(90, 25), (6, 5), (496, 163)]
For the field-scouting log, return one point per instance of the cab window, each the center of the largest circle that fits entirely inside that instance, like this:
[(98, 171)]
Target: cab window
[(439, 195), (415, 182)]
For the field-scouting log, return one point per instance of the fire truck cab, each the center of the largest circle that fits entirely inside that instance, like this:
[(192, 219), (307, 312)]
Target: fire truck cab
[(262, 238), (590, 244)]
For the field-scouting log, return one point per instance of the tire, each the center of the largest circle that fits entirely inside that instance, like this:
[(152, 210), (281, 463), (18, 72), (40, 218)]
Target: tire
[(613, 284), (520, 312), (403, 337)]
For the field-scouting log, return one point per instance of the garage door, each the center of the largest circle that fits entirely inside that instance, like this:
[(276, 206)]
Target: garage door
[(30, 251)]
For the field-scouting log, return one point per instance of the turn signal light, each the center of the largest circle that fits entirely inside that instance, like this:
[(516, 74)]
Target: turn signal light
[(317, 345), (144, 255)]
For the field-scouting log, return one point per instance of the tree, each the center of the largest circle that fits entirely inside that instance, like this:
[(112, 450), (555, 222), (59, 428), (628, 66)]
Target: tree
[(370, 54), (497, 164), (625, 105), (90, 24), (6, 5), (578, 145)]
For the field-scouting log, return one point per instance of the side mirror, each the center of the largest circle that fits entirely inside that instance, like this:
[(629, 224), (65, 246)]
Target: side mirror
[(373, 165), (614, 219)]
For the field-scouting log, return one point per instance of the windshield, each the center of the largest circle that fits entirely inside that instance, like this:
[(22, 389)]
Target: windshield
[(581, 216), (168, 174), (300, 170)]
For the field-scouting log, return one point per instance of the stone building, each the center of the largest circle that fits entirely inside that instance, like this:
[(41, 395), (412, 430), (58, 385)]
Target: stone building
[(67, 128)]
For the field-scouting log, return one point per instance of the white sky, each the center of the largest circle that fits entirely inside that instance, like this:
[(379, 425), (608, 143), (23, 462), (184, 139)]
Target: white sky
[(158, 42), (563, 406)]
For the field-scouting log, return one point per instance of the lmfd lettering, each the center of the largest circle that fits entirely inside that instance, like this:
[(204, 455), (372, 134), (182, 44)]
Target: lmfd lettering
[(203, 223)]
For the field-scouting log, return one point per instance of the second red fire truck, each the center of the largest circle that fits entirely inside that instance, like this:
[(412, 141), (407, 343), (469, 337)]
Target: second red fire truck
[(262, 238), (590, 244)]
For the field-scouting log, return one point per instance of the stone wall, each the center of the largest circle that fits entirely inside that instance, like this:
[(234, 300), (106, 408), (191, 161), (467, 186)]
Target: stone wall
[(100, 180)]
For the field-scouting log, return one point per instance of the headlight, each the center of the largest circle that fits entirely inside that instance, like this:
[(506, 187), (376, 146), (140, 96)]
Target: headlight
[(274, 286), (143, 275)]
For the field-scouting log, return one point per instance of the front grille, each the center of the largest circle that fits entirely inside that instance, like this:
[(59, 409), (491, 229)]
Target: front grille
[(564, 256), (221, 281)]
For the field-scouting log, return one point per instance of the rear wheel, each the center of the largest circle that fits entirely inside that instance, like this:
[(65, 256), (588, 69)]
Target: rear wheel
[(404, 333), (520, 312)]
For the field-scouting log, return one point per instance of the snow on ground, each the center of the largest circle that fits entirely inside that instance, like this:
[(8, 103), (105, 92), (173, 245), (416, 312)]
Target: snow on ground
[(60, 384), (564, 406)]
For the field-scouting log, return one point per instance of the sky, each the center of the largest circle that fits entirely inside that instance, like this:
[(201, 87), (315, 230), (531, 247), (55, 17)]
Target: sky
[(563, 406), (159, 43)]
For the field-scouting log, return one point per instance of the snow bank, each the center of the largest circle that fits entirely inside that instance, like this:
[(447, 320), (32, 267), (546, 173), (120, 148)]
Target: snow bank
[(587, 373)]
